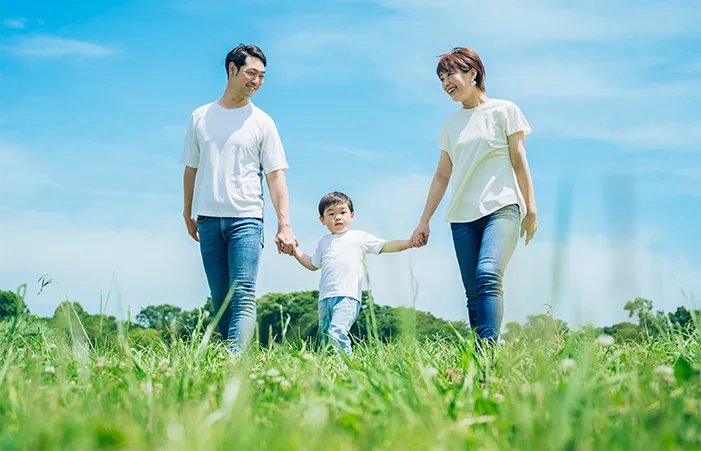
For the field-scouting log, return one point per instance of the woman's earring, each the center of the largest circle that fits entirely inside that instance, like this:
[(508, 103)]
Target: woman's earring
[(474, 83)]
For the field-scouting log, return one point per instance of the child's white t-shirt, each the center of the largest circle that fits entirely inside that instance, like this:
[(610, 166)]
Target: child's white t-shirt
[(341, 258), (483, 178)]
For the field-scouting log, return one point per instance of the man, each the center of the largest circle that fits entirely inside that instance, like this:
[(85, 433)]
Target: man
[(229, 145)]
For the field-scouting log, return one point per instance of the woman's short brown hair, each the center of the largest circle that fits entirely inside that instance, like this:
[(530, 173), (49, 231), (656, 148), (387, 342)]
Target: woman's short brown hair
[(462, 59)]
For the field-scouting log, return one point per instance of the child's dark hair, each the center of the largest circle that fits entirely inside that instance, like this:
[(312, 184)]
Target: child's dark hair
[(334, 198)]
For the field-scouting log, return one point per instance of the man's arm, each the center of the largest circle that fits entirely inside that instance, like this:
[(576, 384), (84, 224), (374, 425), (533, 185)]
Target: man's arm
[(396, 246), (188, 190), (277, 185)]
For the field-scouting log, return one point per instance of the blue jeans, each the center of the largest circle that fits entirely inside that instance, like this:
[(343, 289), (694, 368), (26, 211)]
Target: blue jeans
[(231, 249), (336, 316), (483, 248)]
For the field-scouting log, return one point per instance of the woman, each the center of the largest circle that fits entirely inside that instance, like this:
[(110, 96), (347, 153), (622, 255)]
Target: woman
[(482, 148)]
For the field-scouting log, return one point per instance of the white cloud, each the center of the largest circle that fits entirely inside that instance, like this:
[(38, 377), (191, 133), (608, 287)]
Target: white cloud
[(578, 71), (49, 47), (16, 22), (22, 172), (550, 20)]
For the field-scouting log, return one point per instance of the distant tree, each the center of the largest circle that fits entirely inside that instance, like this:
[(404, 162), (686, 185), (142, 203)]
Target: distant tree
[(682, 317), (640, 308), (544, 325), (159, 317), (11, 304), (513, 331), (187, 321), (294, 314), (144, 337), (625, 331)]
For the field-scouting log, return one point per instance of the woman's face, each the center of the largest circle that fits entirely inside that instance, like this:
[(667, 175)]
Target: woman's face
[(458, 85)]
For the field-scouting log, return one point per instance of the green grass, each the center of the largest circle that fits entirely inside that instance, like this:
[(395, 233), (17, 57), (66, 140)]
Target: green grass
[(58, 394)]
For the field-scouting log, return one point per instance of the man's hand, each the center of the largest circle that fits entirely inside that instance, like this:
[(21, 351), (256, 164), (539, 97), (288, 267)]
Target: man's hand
[(529, 226), (191, 225), (420, 236), (285, 240)]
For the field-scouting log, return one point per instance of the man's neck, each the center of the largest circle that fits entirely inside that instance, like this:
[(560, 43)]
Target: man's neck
[(232, 99)]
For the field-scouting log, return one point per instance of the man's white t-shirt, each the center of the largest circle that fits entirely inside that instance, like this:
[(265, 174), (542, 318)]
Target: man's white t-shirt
[(231, 148), (483, 179), (341, 258)]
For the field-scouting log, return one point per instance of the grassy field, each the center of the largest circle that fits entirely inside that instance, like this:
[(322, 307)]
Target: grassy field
[(554, 392)]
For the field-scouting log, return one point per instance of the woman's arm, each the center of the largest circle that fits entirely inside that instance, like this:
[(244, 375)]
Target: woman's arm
[(517, 152), (435, 194)]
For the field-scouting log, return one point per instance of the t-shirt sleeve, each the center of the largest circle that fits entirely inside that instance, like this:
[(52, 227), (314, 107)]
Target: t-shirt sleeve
[(316, 256), (444, 139), (191, 147), (516, 121), (271, 151), (371, 243)]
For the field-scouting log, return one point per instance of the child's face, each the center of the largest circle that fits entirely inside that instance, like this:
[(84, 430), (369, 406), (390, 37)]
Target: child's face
[(337, 218)]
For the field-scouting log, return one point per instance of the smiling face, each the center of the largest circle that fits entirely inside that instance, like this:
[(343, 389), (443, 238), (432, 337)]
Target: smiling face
[(458, 85), (247, 80), (337, 218)]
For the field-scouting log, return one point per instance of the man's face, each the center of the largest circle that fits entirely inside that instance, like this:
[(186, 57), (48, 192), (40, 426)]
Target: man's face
[(249, 78)]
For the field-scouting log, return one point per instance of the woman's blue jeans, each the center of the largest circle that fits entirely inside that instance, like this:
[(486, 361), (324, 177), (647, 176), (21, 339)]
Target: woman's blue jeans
[(483, 248)]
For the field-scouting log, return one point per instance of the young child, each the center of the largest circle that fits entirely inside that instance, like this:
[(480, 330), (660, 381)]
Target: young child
[(340, 255)]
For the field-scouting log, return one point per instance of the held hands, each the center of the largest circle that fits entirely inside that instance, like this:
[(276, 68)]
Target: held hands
[(285, 240), (420, 236)]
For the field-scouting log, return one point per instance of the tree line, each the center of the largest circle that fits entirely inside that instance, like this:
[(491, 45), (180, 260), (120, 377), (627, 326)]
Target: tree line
[(294, 316)]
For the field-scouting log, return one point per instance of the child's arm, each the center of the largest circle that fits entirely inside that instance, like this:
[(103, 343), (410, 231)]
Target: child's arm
[(304, 259), (396, 246)]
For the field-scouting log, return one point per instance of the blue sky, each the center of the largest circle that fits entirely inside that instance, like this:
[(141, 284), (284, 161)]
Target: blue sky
[(95, 100)]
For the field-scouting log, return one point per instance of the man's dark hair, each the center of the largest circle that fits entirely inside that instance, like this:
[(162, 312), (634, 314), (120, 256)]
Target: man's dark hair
[(239, 54), (334, 198)]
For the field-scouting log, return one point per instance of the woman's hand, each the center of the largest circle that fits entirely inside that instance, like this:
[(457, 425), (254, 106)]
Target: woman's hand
[(420, 236), (529, 226)]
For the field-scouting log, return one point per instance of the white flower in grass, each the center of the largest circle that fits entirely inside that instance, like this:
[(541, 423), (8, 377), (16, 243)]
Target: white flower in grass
[(568, 364), (261, 382), (316, 414), (665, 372), (253, 376), (231, 391), (285, 384), (71, 383), (52, 345), (272, 372), (176, 432), (147, 387), (498, 397), (308, 357), (100, 363), (430, 372), (169, 372), (163, 364), (50, 370), (605, 340)]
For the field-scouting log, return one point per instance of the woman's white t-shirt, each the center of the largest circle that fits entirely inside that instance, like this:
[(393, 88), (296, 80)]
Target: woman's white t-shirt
[(483, 179), (341, 258)]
